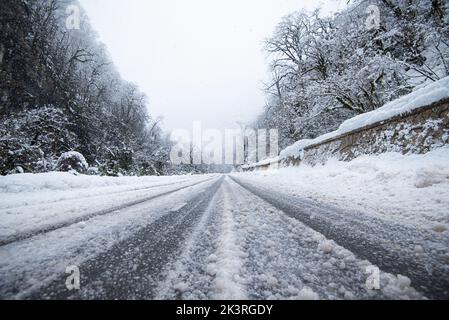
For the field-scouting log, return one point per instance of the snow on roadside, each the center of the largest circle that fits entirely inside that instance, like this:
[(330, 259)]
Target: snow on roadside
[(31, 264), (22, 212), (63, 181), (410, 188)]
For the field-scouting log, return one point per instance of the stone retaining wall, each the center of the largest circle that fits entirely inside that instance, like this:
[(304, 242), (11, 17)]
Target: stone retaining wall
[(418, 131)]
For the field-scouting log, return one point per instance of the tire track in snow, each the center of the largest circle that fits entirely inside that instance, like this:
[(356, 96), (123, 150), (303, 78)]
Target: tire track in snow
[(133, 268), (189, 277), (389, 246), (29, 265), (288, 260), (88, 216)]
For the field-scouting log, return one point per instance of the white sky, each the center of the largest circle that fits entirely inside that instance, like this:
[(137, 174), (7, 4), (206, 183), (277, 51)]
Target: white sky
[(195, 59)]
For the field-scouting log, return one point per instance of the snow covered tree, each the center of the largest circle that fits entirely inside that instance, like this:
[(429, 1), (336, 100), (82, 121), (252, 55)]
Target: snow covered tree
[(327, 69), (60, 92)]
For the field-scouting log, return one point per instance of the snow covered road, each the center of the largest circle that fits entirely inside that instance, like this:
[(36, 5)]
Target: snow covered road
[(392, 246), (207, 237)]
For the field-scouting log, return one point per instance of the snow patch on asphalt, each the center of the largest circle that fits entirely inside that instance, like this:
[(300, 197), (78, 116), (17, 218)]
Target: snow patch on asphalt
[(228, 262)]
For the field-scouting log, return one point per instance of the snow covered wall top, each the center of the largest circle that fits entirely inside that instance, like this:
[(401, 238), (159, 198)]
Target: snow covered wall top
[(425, 96)]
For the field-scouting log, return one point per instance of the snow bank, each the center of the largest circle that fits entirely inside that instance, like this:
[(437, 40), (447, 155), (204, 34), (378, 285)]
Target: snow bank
[(427, 95), (29, 182), (411, 187), (30, 202)]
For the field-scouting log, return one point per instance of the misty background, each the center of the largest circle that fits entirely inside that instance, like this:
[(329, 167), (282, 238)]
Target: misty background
[(195, 60)]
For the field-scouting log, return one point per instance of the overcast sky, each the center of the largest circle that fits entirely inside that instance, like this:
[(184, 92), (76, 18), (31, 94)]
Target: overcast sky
[(195, 59)]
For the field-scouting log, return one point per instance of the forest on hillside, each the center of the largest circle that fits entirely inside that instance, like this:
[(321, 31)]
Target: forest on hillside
[(60, 91)]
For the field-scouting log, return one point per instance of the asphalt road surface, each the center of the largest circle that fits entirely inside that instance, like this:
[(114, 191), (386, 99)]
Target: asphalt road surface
[(223, 237)]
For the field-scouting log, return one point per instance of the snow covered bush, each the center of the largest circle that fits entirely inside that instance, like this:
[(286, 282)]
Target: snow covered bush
[(72, 160), (33, 139), (93, 171)]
